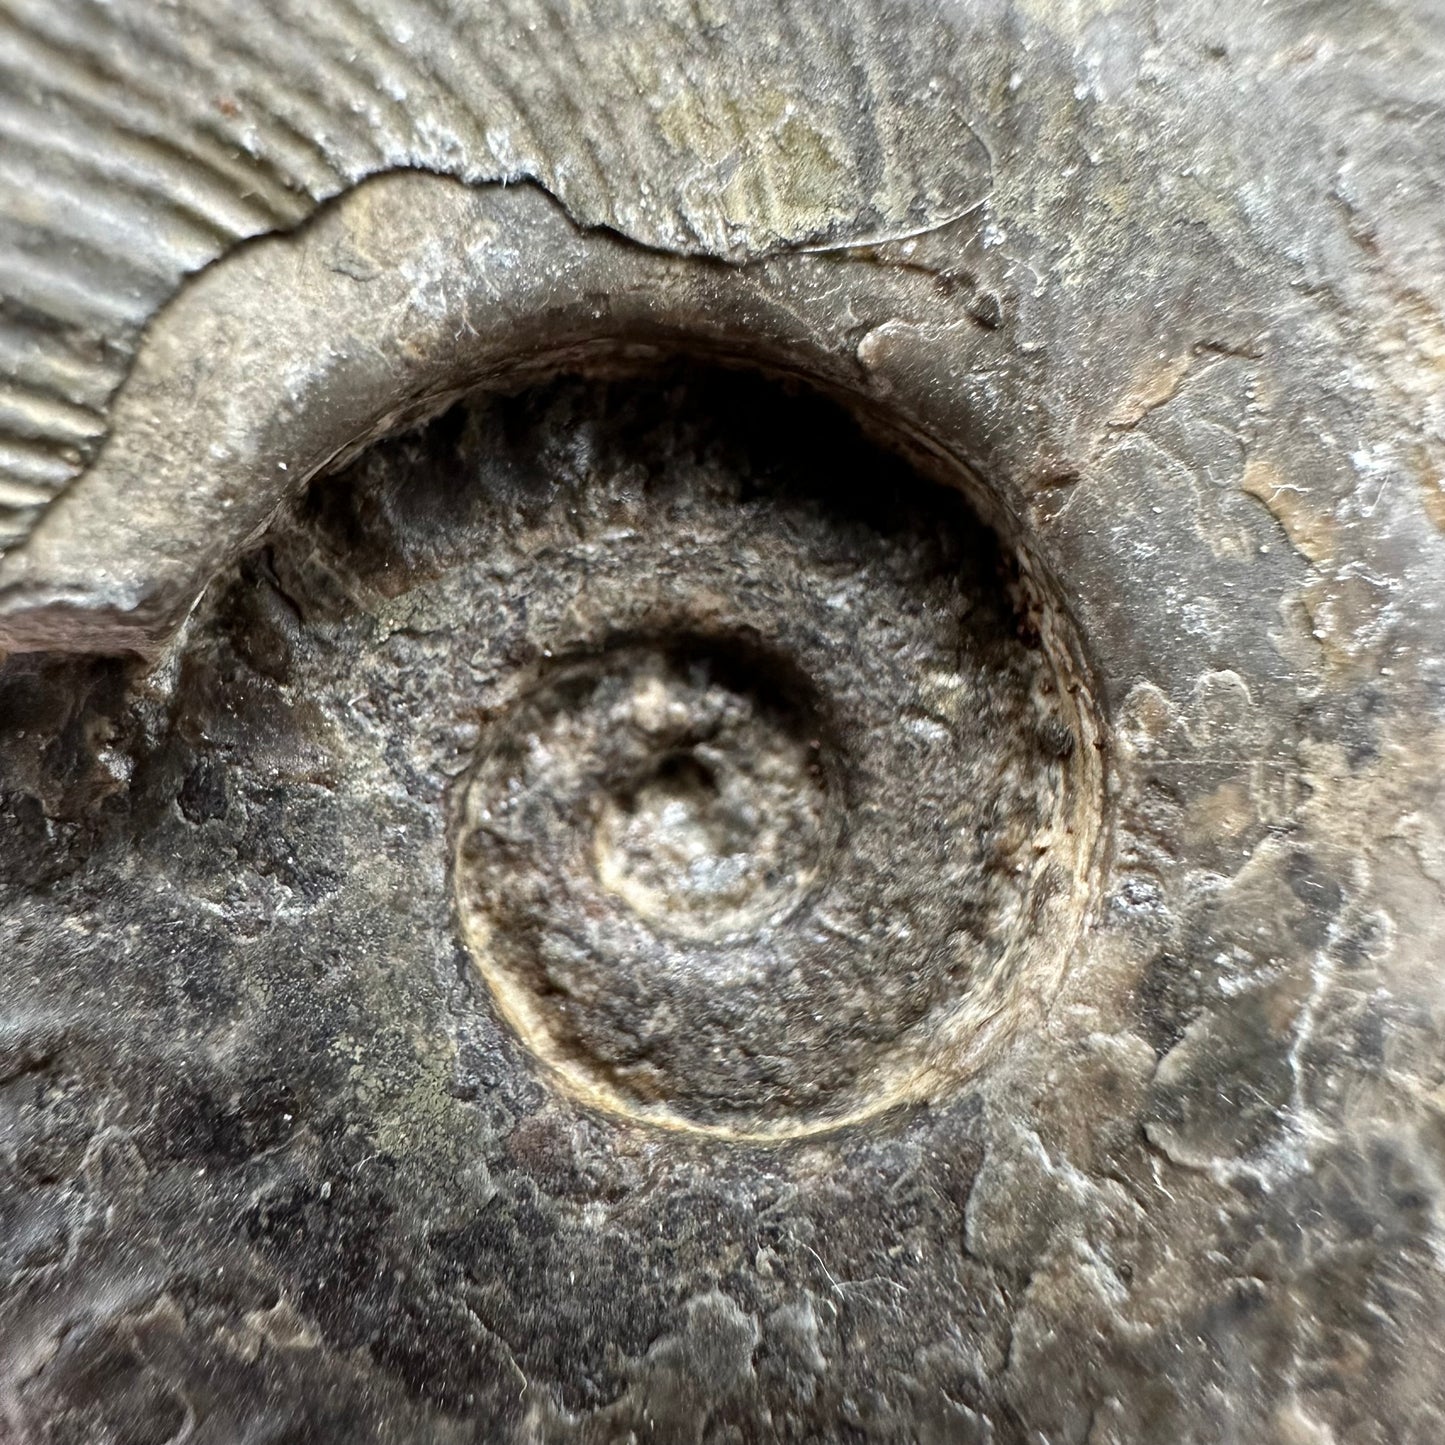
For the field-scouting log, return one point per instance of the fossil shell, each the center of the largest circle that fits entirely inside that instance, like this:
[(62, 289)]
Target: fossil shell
[(519, 519)]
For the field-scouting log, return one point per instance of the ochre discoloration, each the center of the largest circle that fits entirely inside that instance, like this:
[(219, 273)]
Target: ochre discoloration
[(1153, 385), (1310, 530), (1431, 478)]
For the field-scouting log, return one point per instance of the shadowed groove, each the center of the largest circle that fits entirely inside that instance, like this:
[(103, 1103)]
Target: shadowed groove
[(446, 65), (293, 160), (548, 43), (233, 193), (94, 207), (281, 80), (144, 79), (39, 416), (32, 472), (34, 355), (102, 297), (392, 66), (358, 56)]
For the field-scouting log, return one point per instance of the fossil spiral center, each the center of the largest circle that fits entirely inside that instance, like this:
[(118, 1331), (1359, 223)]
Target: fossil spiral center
[(665, 779), (776, 801), (710, 822)]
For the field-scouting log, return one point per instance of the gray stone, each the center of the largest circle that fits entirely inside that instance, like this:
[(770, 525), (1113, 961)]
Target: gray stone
[(721, 722)]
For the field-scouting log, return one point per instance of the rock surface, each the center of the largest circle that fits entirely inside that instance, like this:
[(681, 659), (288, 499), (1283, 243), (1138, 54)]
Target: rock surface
[(866, 864)]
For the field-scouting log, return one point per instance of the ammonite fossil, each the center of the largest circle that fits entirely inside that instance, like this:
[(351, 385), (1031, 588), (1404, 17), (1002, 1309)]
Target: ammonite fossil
[(721, 723)]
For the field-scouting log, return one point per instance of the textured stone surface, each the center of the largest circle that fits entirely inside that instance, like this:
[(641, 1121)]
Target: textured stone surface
[(1104, 662), (773, 804)]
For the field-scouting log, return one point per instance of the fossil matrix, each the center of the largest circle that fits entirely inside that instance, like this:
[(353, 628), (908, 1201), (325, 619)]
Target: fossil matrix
[(721, 723)]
